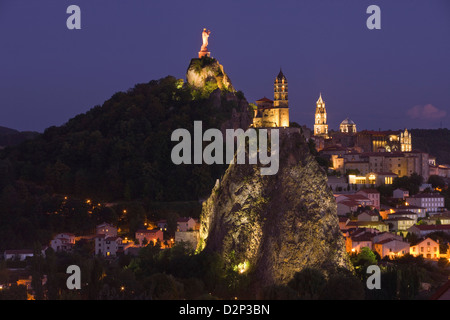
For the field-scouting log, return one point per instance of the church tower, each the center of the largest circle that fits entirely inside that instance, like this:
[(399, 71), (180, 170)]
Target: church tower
[(320, 122), (280, 91), (275, 113)]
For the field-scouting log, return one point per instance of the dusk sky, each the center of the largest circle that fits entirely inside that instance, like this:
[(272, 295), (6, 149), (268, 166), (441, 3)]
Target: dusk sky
[(391, 78)]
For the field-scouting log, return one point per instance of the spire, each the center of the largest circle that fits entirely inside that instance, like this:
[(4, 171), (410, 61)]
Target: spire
[(320, 101), (281, 75)]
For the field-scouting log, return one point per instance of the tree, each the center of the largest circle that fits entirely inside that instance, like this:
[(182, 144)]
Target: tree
[(362, 260), (411, 183), (343, 286), (308, 283), (436, 181), (164, 287)]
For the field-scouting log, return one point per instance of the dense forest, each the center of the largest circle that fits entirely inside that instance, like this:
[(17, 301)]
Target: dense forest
[(121, 150), (11, 137), (117, 152)]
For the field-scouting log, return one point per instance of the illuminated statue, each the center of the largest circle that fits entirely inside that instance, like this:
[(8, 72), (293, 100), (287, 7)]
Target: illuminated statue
[(205, 36), (204, 48)]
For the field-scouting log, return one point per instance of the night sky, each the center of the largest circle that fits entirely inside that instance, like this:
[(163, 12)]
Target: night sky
[(391, 78)]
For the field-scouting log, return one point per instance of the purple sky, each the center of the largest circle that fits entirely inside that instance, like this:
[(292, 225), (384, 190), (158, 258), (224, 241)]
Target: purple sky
[(391, 78)]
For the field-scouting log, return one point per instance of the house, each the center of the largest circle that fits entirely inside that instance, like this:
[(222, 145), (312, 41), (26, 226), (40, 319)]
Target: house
[(368, 216), (187, 224), (373, 195), (144, 236), (381, 226), (421, 212), (337, 183), (343, 222), (425, 186), (346, 206), (399, 223), (106, 229), (63, 242), (400, 193), (359, 239), (359, 198), (20, 254), (443, 218), (391, 247), (427, 248), (108, 245), (162, 225), (386, 235), (432, 202), (403, 214), (423, 229)]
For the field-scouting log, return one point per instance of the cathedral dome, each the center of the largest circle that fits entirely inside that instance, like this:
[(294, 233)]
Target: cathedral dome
[(347, 126), (347, 121)]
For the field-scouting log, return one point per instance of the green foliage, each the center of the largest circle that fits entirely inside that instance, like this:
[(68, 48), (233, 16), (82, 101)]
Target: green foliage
[(362, 260), (199, 64)]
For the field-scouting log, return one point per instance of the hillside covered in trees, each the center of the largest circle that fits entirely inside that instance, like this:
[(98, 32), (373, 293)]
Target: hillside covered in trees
[(117, 152)]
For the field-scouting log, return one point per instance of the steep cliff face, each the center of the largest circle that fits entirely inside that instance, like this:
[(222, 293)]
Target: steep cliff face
[(274, 226)]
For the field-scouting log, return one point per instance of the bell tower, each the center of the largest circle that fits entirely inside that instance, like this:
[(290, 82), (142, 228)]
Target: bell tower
[(320, 121), (280, 91)]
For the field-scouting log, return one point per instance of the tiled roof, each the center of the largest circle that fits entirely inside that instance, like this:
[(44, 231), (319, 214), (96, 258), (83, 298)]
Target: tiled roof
[(427, 195), (265, 100), (425, 227), (409, 207), (369, 190)]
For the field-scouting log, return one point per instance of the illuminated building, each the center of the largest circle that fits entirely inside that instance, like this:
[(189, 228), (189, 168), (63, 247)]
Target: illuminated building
[(274, 113), (388, 141), (432, 202), (392, 248), (320, 121), (427, 248), (347, 126)]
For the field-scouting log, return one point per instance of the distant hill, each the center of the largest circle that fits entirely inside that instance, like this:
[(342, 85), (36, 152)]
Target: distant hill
[(11, 137), (436, 142)]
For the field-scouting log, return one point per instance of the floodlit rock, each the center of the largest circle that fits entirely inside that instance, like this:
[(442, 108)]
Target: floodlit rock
[(207, 73), (274, 226)]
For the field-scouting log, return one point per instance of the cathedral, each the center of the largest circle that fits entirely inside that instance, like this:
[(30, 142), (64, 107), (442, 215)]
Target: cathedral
[(320, 122), (348, 137), (274, 113)]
